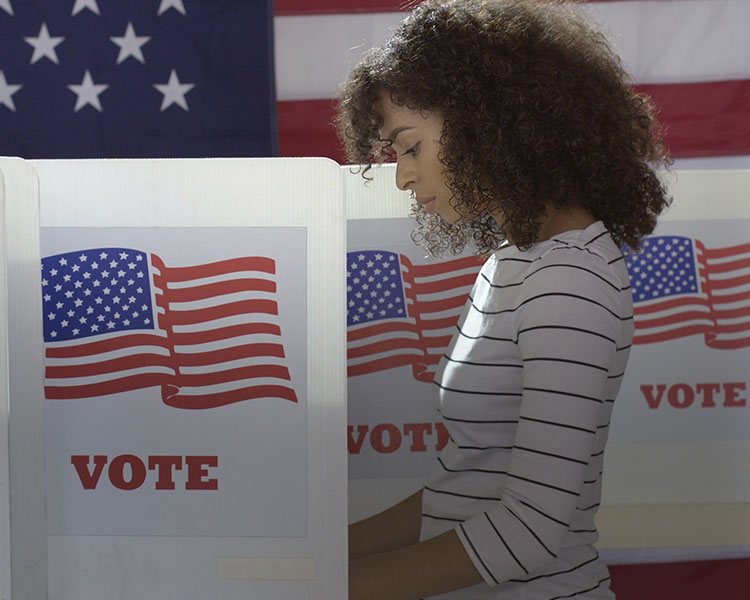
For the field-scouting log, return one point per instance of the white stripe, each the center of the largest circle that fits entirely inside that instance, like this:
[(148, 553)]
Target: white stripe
[(661, 41), (680, 41), (313, 54), (71, 382)]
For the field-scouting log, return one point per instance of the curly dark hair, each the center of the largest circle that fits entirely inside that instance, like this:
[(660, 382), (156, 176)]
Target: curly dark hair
[(536, 109)]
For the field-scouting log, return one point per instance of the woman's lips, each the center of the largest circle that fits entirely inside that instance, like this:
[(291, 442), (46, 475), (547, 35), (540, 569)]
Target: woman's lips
[(428, 203)]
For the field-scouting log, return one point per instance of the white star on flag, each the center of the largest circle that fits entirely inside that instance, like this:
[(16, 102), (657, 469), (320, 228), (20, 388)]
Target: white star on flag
[(167, 4), (130, 45), (5, 5), (88, 93), (81, 4), (44, 45), (6, 92), (174, 91)]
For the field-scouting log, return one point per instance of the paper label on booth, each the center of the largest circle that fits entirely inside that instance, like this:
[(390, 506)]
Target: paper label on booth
[(175, 378)]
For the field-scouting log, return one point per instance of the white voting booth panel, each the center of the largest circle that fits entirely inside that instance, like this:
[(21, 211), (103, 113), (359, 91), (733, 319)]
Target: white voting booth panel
[(194, 378), (680, 438), (23, 545)]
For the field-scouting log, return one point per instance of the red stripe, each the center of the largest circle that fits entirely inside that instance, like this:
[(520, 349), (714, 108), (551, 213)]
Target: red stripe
[(201, 379), (714, 253), (729, 298), (323, 7), (440, 305), (447, 284), (118, 343), (672, 319), (732, 328), (735, 313), (669, 304), (444, 323), (124, 363), (223, 267), (223, 333), (306, 129), (670, 335), (382, 364), (437, 342), (202, 315), (385, 346), (702, 119), (212, 290), (735, 265), (379, 329), (231, 397), (723, 284), (470, 262), (199, 359), (727, 344), (115, 386)]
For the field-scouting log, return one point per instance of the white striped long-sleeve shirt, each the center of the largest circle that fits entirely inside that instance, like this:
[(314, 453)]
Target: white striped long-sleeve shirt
[(526, 391)]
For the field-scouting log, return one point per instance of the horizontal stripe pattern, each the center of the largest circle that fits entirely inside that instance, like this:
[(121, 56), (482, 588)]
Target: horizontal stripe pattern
[(528, 415), (690, 56)]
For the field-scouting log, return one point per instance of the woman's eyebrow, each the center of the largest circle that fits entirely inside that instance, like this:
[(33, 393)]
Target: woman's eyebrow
[(394, 134)]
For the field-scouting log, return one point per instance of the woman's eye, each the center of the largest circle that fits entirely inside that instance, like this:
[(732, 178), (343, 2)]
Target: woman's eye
[(413, 150)]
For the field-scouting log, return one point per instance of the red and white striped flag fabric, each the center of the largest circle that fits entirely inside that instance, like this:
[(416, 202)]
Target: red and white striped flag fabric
[(691, 56), (118, 319), (399, 313)]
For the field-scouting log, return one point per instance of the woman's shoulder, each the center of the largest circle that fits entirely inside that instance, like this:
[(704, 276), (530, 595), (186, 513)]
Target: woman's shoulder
[(561, 261)]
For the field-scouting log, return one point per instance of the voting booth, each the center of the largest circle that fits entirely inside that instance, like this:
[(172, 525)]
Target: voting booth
[(194, 376), (23, 527), (676, 478), (179, 337)]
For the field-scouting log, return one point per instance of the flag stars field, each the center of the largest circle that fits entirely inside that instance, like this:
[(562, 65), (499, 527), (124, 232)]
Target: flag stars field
[(165, 5), (89, 313), (44, 45), (85, 4), (88, 93), (174, 92), (130, 45), (6, 92)]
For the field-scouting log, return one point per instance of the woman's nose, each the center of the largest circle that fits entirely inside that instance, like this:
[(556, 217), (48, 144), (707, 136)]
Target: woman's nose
[(406, 176)]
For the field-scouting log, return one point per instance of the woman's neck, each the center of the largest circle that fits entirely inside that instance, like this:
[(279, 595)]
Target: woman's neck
[(566, 218)]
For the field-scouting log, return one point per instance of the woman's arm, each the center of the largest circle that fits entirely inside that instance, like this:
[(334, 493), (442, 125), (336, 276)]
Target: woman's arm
[(435, 566), (393, 528)]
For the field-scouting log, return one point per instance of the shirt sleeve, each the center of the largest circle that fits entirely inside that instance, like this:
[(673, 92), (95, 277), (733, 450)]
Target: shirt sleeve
[(568, 320)]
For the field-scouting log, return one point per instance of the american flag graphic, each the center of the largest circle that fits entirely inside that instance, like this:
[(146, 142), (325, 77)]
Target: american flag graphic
[(118, 319), (682, 288), (399, 313)]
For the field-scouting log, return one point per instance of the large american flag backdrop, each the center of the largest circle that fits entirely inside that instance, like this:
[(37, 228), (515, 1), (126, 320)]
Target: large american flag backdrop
[(119, 319), (163, 78), (138, 79)]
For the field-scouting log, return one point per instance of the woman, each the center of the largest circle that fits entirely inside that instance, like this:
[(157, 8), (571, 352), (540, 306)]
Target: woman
[(516, 129)]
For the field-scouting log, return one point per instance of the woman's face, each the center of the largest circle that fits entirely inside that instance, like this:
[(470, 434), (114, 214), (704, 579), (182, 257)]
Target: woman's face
[(415, 137)]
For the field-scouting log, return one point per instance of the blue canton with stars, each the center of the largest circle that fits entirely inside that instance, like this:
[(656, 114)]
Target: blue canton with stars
[(136, 79), (90, 292), (374, 289), (665, 267)]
